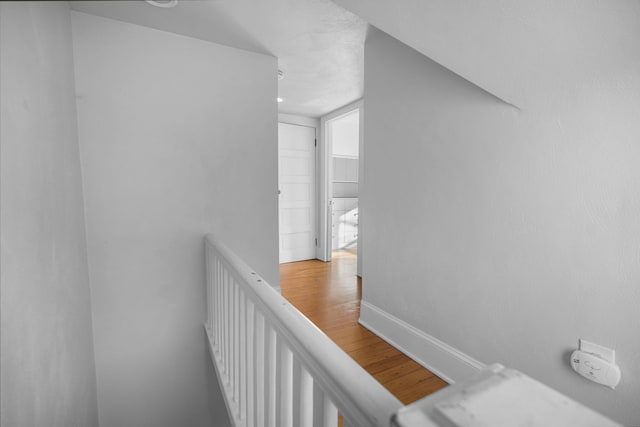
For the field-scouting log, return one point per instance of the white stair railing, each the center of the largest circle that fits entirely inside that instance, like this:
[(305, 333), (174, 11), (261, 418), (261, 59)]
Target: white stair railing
[(275, 367)]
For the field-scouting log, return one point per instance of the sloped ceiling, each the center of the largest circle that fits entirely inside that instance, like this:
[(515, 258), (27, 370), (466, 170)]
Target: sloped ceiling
[(319, 45), (518, 50)]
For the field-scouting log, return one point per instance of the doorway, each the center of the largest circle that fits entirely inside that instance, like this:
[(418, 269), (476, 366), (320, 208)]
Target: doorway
[(297, 192), (343, 181)]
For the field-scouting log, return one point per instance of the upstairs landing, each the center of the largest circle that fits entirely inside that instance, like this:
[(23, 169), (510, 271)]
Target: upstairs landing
[(329, 295)]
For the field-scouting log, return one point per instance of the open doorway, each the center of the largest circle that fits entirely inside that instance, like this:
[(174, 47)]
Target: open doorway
[(342, 142), (344, 137)]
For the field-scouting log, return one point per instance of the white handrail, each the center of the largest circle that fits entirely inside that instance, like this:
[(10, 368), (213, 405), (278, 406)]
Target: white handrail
[(277, 369)]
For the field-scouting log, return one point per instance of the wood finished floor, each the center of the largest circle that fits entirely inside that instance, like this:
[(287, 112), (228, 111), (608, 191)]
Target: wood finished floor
[(329, 294)]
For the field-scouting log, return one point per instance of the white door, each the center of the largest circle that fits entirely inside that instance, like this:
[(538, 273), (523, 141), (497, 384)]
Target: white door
[(297, 185)]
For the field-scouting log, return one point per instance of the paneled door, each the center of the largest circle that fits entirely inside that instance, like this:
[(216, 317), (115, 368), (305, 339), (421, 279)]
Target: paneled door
[(297, 185)]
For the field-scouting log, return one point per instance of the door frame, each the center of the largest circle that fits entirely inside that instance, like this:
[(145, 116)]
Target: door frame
[(326, 185)]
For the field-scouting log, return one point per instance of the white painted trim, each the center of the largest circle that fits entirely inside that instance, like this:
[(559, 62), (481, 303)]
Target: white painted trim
[(361, 218), (292, 119), (342, 111), (324, 250), (445, 361)]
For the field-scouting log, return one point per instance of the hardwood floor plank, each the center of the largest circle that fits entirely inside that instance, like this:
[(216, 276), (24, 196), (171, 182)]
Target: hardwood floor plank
[(424, 386), (377, 363), (329, 295), (351, 344), (397, 371)]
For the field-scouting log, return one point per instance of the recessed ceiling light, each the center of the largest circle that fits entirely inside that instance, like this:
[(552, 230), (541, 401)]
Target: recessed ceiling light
[(279, 99), (163, 3)]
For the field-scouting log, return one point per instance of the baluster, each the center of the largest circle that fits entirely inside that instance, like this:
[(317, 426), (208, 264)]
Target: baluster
[(227, 326), (242, 354), (236, 330), (325, 414), (207, 262), (219, 304), (260, 357), (213, 301), (272, 385), (230, 319), (318, 405), (251, 357), (223, 319), (305, 398), (211, 295), (296, 389), (221, 308), (329, 412), (286, 386)]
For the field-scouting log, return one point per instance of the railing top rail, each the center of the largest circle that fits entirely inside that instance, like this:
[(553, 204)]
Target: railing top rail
[(356, 394)]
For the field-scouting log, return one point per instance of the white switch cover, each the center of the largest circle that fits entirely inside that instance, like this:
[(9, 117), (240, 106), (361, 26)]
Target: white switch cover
[(596, 363)]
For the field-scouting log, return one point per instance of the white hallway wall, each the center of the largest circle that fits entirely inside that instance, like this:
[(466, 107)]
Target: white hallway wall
[(178, 138), (517, 231), (48, 376)]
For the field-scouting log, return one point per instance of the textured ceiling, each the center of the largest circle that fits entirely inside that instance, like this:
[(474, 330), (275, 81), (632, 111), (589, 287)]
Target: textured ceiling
[(318, 44)]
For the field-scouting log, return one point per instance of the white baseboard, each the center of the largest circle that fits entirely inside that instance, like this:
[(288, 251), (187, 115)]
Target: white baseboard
[(448, 363)]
